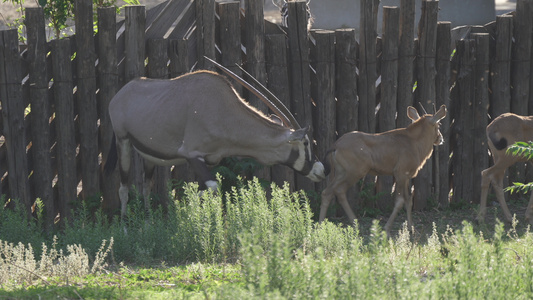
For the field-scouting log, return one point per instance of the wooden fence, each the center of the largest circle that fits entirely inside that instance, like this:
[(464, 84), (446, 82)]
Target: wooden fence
[(55, 132)]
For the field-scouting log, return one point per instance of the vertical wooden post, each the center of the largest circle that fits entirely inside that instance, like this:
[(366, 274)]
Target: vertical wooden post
[(205, 32), (86, 98), (462, 129), (389, 92), (521, 70), (230, 37), (179, 65), (178, 55), (278, 83), (300, 74), (157, 68), (64, 120), (324, 93), (346, 80), (346, 49), (107, 88), (480, 111), (13, 117), (40, 111), (500, 98), (442, 89), (134, 67), (406, 57), (425, 91), (368, 65)]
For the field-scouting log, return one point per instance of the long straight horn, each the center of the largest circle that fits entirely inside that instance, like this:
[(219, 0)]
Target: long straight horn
[(273, 97), (288, 121)]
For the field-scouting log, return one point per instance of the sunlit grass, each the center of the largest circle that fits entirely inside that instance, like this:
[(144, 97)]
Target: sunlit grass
[(251, 244)]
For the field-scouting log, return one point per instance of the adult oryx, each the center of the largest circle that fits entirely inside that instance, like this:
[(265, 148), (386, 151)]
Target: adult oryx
[(199, 118)]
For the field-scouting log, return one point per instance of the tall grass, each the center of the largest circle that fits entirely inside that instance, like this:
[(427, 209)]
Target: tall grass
[(280, 252)]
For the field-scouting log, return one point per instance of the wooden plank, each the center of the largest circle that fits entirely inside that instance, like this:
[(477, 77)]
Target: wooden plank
[(178, 55), (324, 118), (462, 129), (205, 33), (442, 89), (346, 80), (386, 116), (480, 111), (86, 99), (230, 37), (64, 122), (157, 68), (300, 74), (107, 88), (521, 70), (41, 178), (134, 67), (368, 66), (11, 76), (500, 97), (278, 84), (406, 57), (425, 92)]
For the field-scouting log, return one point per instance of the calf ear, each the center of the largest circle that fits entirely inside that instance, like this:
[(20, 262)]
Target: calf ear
[(412, 113), (298, 134)]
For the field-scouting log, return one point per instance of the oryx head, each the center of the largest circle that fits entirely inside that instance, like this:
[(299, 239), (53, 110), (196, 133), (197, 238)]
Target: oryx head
[(301, 158)]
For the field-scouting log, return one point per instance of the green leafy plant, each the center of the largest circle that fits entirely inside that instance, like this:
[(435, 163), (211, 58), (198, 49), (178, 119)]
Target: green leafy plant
[(523, 149)]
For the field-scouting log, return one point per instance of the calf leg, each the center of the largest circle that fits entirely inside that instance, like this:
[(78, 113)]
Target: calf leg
[(402, 198), (485, 186)]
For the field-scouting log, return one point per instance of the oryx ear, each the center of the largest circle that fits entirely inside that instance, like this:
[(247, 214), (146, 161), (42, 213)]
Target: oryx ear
[(276, 119), (440, 114), (412, 113), (298, 134)]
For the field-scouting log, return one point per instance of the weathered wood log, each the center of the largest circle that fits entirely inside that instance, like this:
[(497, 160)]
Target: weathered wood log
[(42, 176), (107, 87)]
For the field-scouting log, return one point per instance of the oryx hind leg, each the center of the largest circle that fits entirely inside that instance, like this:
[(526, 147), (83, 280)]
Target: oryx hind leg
[(124, 157), (205, 178)]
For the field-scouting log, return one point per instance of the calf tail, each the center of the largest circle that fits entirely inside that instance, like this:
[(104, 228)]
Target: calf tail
[(112, 157), (499, 142)]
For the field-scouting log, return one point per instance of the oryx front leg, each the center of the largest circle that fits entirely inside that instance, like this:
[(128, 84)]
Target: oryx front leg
[(148, 183), (124, 158)]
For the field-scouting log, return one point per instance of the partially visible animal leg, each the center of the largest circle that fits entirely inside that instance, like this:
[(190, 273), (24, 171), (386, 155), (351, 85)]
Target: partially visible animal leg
[(206, 179), (485, 186), (341, 197), (498, 188), (124, 158), (400, 200), (148, 183), (327, 196)]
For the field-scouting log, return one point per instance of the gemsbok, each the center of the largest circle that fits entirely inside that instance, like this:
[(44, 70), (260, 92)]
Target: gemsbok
[(503, 132), (199, 118), (400, 152)]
